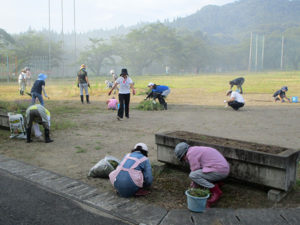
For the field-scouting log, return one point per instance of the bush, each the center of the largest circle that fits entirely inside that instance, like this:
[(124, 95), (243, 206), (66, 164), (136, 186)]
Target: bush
[(149, 105)]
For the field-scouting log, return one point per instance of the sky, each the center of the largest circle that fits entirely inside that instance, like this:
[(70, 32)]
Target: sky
[(19, 15)]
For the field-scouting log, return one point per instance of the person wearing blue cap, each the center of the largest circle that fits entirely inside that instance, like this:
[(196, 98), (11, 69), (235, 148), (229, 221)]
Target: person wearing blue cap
[(280, 95), (37, 88)]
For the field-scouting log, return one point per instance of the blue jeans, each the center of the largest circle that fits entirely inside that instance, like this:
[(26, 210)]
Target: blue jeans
[(37, 95)]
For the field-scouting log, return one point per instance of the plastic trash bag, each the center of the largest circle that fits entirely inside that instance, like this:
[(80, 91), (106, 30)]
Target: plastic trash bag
[(16, 125), (104, 167)]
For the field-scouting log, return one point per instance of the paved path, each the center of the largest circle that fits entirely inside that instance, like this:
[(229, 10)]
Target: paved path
[(132, 211), (24, 203)]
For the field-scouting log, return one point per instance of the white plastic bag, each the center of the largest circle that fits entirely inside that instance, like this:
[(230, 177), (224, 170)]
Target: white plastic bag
[(103, 168), (16, 124)]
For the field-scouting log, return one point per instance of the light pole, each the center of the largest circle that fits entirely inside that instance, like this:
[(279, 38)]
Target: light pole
[(49, 40)]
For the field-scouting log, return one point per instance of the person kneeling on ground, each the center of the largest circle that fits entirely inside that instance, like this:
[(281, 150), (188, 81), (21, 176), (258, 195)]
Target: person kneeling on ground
[(134, 173), (160, 92), (112, 103), (208, 166), (280, 95), (39, 114), (236, 100)]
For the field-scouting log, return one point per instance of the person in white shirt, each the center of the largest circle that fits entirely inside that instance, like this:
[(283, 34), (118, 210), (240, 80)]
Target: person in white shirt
[(125, 83), (236, 100), (22, 82)]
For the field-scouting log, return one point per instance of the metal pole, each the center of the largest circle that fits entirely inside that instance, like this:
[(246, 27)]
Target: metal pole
[(75, 47), (7, 66), (256, 50), (250, 54), (282, 48), (49, 44), (62, 33), (263, 52)]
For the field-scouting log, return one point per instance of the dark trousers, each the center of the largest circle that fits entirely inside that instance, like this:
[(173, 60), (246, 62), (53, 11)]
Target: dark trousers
[(124, 99), (235, 105)]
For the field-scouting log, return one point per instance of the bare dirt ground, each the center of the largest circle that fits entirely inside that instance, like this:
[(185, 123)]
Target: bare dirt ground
[(98, 133)]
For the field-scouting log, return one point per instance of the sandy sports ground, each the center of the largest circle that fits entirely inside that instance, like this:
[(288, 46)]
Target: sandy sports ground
[(90, 132)]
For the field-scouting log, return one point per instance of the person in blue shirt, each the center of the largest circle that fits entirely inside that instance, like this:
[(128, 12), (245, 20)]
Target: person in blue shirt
[(280, 95), (133, 174), (37, 88), (160, 92)]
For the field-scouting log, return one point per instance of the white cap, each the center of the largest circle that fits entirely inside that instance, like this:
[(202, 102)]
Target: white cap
[(144, 146), (150, 84)]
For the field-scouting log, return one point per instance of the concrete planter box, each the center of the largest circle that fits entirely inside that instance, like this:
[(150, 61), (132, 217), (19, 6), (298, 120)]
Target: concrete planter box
[(4, 121), (267, 165)]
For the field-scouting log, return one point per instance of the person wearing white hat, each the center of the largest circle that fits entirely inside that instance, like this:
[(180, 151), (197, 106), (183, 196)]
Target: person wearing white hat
[(160, 92), (133, 174)]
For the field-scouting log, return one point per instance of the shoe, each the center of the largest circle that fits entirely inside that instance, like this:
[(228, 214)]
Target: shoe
[(142, 192), (81, 98), (47, 136), (216, 193), (87, 99), (127, 117), (28, 135), (119, 118)]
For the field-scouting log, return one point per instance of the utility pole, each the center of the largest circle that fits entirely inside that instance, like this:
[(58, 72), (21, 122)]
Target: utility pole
[(256, 50), (250, 54), (62, 34), (49, 40), (282, 48), (263, 52), (75, 47)]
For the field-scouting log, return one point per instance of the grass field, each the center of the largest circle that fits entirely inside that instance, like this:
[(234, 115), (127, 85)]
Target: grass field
[(182, 85)]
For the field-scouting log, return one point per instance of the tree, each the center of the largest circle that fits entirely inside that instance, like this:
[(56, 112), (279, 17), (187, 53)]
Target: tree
[(98, 54)]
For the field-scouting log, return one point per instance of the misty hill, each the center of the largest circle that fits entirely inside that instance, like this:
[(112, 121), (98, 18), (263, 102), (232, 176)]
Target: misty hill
[(241, 17)]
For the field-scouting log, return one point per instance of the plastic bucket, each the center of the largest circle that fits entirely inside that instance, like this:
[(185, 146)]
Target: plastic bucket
[(295, 99), (196, 204)]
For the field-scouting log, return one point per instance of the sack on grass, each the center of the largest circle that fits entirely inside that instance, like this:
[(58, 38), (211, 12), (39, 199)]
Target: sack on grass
[(104, 167), (16, 125)]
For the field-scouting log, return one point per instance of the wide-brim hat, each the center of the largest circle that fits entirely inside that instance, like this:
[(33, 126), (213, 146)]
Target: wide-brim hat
[(42, 76), (142, 145), (124, 72)]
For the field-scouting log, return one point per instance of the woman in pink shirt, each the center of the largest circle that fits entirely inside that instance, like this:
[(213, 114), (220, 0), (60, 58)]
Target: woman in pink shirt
[(208, 166)]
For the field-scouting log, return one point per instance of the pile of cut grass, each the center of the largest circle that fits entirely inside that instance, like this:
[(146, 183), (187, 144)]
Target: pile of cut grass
[(149, 105)]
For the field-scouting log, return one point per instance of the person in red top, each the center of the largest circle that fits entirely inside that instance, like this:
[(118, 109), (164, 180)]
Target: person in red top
[(207, 165)]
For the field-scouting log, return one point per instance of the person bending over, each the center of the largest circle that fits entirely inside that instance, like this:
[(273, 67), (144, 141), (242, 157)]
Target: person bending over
[(160, 92), (134, 173), (238, 82), (208, 167), (280, 95), (38, 114)]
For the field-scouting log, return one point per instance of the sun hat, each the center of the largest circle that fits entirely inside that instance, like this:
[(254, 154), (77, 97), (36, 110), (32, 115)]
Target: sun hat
[(150, 84), (42, 76), (142, 145), (124, 72), (82, 66), (181, 149)]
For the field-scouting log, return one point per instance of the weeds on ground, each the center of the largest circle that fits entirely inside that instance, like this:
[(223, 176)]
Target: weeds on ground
[(149, 105), (80, 149), (15, 106)]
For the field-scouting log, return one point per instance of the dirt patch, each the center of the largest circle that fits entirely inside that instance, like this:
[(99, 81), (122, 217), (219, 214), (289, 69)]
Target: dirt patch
[(237, 144), (98, 133)]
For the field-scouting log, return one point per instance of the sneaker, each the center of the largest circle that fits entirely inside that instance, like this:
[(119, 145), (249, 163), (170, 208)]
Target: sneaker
[(119, 118)]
